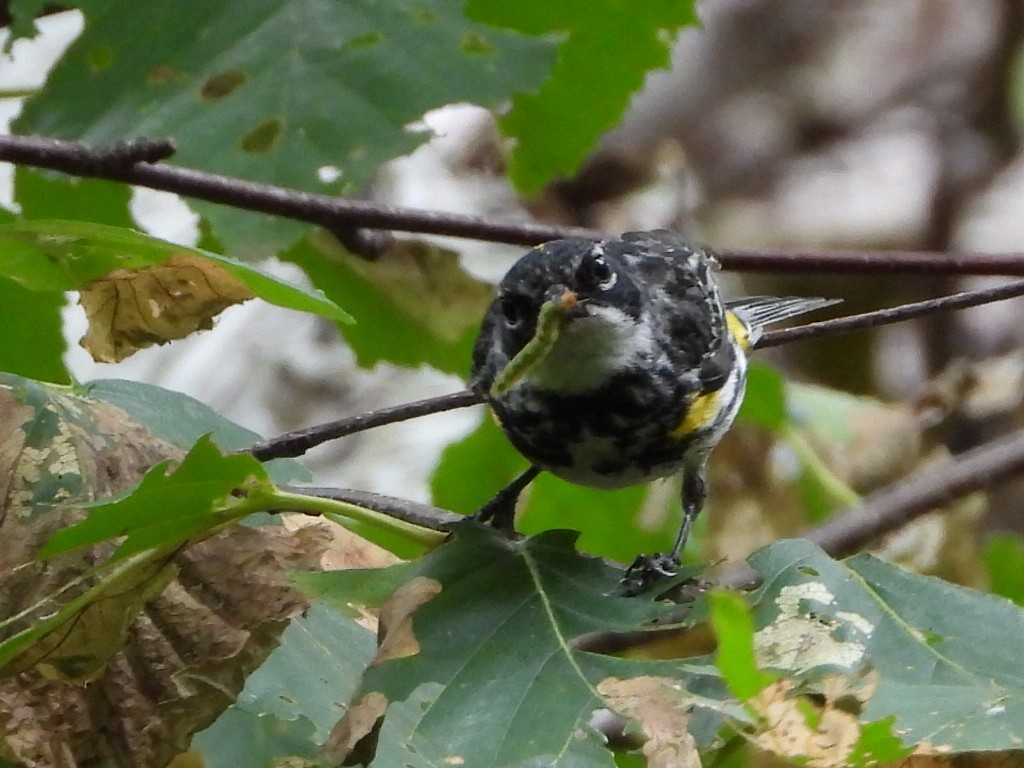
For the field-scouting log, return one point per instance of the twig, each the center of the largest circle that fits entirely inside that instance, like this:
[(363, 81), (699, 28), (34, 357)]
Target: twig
[(341, 214), (292, 444), (891, 315), (872, 262), (296, 443), (332, 213), (896, 505), (423, 515), (125, 154)]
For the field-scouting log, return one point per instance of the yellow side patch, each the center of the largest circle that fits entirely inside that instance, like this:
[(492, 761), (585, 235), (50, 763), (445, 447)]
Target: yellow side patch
[(702, 411), (738, 329)]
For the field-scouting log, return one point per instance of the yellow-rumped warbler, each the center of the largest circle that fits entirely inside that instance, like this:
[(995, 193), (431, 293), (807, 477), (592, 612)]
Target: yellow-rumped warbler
[(626, 366)]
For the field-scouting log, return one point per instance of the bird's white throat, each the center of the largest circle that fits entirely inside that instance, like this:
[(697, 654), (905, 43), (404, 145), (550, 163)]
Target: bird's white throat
[(591, 349)]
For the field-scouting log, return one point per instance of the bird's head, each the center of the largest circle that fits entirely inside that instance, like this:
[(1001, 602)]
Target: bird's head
[(600, 326)]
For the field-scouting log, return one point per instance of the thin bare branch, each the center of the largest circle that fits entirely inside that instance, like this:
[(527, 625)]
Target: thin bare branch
[(346, 215), (802, 261), (333, 213), (890, 315), (296, 443), (931, 487)]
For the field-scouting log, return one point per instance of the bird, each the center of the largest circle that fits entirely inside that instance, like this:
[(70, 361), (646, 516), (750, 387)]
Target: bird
[(615, 362)]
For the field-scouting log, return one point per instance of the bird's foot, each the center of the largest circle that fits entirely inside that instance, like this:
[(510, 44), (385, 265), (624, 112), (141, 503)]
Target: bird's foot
[(646, 571), (500, 512)]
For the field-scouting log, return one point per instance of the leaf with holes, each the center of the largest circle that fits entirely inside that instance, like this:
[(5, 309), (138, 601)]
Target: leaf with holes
[(313, 94), (886, 653), (289, 704)]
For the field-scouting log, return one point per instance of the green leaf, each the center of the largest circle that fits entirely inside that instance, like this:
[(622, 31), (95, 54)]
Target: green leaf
[(607, 49), (878, 745), (734, 631), (289, 705), (138, 290), (613, 524), (44, 196), (414, 305), (1004, 559), (182, 420), (274, 90), (475, 468), (947, 659), (338, 589), (33, 334), (23, 13), (241, 738), (491, 682), (33, 339), (164, 508)]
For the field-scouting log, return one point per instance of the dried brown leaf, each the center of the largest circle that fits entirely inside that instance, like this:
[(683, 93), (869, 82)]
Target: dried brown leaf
[(360, 721), (354, 736), (54, 451), (347, 549), (968, 760), (131, 309), (822, 737), (397, 638), (164, 665), (663, 711)]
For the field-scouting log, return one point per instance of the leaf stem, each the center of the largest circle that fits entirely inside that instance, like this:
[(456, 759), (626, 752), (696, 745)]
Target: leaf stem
[(276, 500), (17, 93), (16, 644)]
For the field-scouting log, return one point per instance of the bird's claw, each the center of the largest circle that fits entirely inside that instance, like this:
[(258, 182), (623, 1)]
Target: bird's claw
[(646, 571)]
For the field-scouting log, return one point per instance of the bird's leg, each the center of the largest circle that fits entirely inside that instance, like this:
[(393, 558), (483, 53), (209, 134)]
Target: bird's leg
[(500, 511), (647, 570), (694, 494)]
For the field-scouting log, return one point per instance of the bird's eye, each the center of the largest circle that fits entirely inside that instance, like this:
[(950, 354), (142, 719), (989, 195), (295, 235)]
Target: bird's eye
[(514, 309), (595, 274)]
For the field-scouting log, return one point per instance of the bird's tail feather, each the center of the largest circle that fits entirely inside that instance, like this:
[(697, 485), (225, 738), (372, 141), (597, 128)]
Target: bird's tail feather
[(756, 312)]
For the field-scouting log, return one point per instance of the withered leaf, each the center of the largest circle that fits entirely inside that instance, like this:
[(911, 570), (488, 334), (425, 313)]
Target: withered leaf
[(397, 639), (361, 720), (131, 309), (662, 708), (824, 740), (165, 658)]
